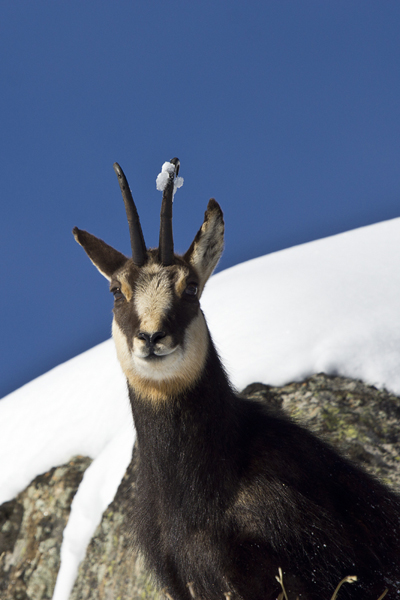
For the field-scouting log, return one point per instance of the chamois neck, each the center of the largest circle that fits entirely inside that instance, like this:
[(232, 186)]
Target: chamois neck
[(208, 398), (182, 442), (203, 416)]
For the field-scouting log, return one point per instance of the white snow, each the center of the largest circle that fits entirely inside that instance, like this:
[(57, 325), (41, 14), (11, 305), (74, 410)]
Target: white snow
[(330, 305), (162, 178)]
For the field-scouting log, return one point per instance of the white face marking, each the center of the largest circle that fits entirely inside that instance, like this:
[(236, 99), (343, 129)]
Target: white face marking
[(160, 378), (153, 298)]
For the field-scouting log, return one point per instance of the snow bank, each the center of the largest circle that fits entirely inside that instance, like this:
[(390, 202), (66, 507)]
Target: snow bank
[(330, 305), (76, 408)]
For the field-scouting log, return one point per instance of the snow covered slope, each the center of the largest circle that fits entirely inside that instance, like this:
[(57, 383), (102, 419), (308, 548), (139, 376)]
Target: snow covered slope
[(330, 305)]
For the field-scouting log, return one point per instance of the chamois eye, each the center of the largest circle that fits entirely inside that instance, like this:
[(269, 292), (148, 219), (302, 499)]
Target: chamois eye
[(118, 295), (191, 289)]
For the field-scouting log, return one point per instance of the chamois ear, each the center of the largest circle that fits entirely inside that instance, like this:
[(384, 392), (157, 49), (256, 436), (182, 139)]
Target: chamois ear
[(104, 257), (206, 248)]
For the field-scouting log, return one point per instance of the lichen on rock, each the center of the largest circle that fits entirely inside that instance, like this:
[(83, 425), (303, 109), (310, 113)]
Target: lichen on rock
[(31, 530)]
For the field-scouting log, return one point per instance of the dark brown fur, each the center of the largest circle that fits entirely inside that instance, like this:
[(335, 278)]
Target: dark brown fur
[(227, 493)]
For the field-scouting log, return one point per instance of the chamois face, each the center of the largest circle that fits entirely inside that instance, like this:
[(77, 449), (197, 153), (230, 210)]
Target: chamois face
[(158, 328)]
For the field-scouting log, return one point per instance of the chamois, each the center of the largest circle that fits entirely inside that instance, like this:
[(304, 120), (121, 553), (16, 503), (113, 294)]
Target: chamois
[(229, 491)]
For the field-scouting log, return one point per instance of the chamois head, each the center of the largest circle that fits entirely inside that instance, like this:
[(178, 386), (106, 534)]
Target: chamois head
[(158, 328)]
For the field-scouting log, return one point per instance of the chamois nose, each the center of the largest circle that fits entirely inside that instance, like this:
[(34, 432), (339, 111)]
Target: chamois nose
[(151, 338)]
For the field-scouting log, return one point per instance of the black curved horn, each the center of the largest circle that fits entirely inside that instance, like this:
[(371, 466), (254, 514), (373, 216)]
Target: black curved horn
[(139, 251), (166, 243)]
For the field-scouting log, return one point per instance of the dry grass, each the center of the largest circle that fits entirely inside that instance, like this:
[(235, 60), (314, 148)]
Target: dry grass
[(283, 594), (348, 579)]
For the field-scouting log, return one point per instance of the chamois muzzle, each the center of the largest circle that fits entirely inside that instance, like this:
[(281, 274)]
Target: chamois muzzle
[(139, 251), (166, 242), (151, 338)]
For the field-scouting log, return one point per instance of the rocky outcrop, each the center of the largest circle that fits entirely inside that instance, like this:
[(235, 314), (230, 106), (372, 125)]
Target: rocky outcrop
[(359, 420), (112, 568), (31, 530)]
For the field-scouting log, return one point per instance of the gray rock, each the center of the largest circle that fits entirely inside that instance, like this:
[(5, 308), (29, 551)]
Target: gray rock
[(31, 529), (112, 568)]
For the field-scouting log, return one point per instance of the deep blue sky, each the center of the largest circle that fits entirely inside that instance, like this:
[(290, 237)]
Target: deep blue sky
[(286, 111)]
